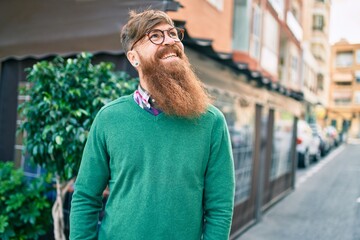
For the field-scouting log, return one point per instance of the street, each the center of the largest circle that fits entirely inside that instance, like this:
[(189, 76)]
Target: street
[(324, 206)]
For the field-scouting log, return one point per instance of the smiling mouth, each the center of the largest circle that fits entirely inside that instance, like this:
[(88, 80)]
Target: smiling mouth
[(169, 55)]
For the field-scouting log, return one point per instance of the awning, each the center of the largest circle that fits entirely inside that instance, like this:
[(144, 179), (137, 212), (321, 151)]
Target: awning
[(47, 27), (73, 26)]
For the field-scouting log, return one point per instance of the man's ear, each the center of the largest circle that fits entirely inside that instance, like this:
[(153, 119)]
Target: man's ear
[(133, 58)]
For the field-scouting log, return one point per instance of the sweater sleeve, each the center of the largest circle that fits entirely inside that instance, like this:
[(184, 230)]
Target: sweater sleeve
[(219, 185), (91, 181)]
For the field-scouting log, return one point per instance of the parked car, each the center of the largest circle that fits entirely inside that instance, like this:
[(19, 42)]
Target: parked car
[(307, 145), (325, 141), (333, 135)]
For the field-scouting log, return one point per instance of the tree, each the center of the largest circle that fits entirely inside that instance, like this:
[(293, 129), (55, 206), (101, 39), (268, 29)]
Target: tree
[(65, 96), (24, 209)]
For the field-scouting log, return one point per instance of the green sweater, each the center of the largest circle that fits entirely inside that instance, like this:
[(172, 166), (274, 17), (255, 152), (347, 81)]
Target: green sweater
[(169, 178)]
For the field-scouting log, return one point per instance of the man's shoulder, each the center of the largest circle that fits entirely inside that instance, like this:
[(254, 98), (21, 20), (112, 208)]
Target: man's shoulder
[(214, 112), (120, 104), (212, 116)]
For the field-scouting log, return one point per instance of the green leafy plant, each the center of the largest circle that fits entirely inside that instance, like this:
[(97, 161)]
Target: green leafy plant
[(65, 96), (24, 209)]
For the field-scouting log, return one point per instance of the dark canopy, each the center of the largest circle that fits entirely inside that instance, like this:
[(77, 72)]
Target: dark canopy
[(42, 27)]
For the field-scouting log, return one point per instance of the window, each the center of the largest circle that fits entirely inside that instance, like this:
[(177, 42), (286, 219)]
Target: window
[(270, 48), (319, 51), (21, 159), (318, 22), (294, 69), (357, 76), (31, 170), (358, 56), (241, 26), (240, 117), (295, 12), (344, 59), (294, 63), (342, 101), (282, 138), (320, 81), (357, 97), (218, 4), (342, 97), (343, 83), (256, 31)]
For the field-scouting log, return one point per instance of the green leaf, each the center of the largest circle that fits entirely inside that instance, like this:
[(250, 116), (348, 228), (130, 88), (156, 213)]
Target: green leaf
[(50, 149), (3, 223), (35, 150), (69, 128), (25, 212), (59, 140), (14, 202), (82, 138), (84, 112), (48, 177)]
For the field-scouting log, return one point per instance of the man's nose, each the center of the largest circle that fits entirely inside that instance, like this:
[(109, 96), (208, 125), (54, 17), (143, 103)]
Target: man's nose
[(168, 40)]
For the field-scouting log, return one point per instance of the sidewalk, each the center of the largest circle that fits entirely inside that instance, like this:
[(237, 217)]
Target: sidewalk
[(353, 140), (324, 206)]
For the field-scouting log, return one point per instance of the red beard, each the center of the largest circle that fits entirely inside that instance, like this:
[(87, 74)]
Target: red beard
[(174, 86)]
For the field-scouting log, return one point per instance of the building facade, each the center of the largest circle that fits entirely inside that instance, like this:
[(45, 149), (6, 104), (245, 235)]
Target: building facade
[(211, 19), (344, 97), (263, 38), (270, 39), (316, 59), (248, 53)]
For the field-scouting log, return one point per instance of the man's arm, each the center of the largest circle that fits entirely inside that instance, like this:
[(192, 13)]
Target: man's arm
[(219, 185), (90, 183)]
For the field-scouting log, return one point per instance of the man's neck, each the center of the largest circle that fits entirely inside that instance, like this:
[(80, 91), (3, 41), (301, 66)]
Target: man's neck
[(143, 82), (143, 89)]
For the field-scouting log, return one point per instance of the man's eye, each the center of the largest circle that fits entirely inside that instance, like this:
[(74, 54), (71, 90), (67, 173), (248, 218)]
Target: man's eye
[(155, 36), (173, 33)]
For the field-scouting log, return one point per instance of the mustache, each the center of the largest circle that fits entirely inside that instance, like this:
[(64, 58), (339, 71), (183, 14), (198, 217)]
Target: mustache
[(169, 49)]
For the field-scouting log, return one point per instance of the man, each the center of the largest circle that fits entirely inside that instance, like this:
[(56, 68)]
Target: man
[(164, 151)]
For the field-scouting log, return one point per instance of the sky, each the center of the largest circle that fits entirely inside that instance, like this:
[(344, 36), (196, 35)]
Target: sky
[(345, 20)]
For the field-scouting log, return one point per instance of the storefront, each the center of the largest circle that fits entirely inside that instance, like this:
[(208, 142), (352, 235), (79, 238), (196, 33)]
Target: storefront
[(261, 114)]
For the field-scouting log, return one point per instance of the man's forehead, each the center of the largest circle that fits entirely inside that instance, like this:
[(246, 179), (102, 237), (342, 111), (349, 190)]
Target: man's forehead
[(162, 26)]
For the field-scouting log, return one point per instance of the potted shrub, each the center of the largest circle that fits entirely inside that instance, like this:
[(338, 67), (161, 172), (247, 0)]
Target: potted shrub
[(65, 96)]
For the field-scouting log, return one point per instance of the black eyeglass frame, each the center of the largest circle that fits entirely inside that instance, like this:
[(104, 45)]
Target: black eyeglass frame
[(180, 38)]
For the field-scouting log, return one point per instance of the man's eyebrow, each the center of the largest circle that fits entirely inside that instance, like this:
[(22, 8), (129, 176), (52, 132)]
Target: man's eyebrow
[(160, 29)]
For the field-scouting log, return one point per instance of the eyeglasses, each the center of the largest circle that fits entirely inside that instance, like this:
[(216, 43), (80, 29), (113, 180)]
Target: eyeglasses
[(157, 36)]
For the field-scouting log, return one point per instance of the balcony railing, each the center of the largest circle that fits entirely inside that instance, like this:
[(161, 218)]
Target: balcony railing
[(342, 102)]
